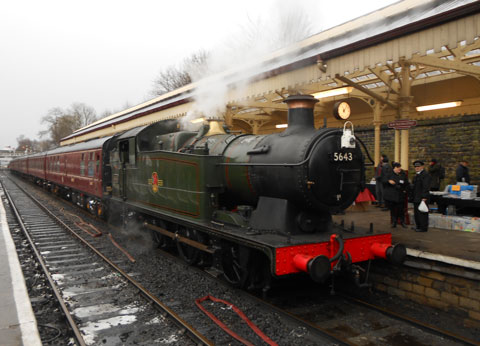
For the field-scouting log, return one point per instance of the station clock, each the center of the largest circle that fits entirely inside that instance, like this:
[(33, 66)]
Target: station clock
[(341, 110)]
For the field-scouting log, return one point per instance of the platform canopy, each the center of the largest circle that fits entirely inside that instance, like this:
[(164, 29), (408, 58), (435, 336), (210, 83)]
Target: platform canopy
[(412, 53)]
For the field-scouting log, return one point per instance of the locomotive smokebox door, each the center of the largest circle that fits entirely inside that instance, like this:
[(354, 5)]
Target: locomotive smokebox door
[(336, 172)]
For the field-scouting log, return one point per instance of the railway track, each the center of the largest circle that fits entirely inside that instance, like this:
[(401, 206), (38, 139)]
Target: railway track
[(346, 320), (362, 323), (288, 330), (102, 303), (335, 320)]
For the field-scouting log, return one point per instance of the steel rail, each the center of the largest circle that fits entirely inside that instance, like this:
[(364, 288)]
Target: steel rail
[(312, 328), (315, 329), (71, 322), (195, 335), (412, 321)]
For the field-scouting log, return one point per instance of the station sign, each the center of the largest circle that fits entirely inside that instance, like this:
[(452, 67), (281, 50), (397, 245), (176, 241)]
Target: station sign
[(402, 124)]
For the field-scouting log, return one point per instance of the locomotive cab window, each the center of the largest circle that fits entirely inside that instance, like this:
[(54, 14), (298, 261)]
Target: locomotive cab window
[(127, 151), (131, 152), (123, 149)]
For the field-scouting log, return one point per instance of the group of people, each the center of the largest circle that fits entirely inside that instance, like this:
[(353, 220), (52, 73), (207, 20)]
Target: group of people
[(392, 187)]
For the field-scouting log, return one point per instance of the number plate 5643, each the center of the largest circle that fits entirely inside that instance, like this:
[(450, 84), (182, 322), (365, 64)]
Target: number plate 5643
[(339, 157)]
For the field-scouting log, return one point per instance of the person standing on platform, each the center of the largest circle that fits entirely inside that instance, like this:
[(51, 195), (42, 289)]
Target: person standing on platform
[(463, 175), (437, 174), (394, 194), (379, 182), (421, 188)]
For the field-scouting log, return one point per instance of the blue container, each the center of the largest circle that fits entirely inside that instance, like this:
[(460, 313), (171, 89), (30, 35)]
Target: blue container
[(457, 189)]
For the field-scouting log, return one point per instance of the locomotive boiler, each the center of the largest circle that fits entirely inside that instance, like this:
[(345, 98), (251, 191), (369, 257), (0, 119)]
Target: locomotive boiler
[(248, 207)]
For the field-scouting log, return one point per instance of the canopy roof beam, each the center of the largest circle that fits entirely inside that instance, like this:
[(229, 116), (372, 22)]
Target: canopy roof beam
[(366, 91), (446, 64)]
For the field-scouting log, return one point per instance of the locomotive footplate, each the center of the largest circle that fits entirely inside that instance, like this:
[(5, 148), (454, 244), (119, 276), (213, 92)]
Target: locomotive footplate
[(288, 254), (312, 252)]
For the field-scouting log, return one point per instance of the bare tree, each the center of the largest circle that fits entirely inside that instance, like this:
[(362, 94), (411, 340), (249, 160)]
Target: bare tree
[(83, 114), (61, 123), (45, 145), (174, 77), (27, 145), (24, 144)]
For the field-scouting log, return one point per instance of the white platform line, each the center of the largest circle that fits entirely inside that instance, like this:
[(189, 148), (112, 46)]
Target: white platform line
[(26, 317), (445, 259)]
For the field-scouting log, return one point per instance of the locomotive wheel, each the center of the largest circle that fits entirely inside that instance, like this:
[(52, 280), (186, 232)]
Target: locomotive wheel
[(161, 241), (235, 259), (189, 254)]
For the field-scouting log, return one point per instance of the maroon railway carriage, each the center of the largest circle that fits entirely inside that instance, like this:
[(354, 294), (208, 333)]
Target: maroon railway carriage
[(19, 165), (36, 166), (74, 171)]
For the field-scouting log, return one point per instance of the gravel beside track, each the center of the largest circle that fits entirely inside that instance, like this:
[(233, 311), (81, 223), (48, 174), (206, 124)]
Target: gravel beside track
[(106, 308)]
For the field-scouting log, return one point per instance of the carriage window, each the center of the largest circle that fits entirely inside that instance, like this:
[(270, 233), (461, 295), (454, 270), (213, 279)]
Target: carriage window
[(90, 168), (82, 167), (98, 163)]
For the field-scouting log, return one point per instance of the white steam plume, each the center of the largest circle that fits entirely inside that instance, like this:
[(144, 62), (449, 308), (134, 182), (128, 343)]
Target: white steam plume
[(237, 60)]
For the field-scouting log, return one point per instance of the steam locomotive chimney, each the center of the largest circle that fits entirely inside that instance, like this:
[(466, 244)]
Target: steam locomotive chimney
[(300, 112)]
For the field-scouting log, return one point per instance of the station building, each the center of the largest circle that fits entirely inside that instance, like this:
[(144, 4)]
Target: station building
[(385, 65)]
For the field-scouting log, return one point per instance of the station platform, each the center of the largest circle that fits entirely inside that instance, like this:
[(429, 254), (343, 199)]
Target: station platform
[(450, 246), (18, 325)]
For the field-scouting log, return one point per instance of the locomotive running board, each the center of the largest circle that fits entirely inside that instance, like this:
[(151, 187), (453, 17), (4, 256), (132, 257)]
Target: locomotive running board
[(175, 236)]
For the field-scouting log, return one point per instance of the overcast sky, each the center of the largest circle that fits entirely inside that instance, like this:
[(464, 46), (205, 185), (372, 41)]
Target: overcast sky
[(106, 53)]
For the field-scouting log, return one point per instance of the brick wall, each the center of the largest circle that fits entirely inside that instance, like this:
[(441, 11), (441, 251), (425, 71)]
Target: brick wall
[(448, 292), (448, 140)]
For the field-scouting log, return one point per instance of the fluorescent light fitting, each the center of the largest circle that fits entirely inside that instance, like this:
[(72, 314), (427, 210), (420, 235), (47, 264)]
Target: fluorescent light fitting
[(332, 92), (281, 126), (439, 106), (198, 120)]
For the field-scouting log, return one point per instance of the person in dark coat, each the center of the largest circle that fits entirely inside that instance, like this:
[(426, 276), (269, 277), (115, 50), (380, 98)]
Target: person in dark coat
[(379, 181), (462, 173), (386, 171), (394, 194), (437, 174), (421, 188)]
